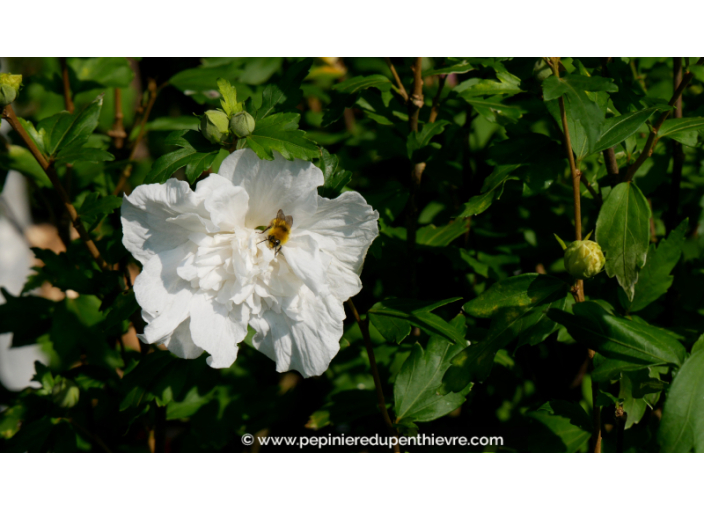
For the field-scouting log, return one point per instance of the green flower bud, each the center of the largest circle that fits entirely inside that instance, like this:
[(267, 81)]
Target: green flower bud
[(213, 125), (65, 393), (242, 124), (9, 87), (584, 259)]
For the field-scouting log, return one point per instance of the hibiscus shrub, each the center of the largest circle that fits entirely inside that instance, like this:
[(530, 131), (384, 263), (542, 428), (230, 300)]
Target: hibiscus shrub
[(312, 248)]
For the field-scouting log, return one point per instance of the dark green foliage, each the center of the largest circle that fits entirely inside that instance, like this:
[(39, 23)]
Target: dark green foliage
[(474, 328)]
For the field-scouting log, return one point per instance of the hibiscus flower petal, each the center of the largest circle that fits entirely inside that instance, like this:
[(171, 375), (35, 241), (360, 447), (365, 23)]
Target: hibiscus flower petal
[(226, 203), (216, 329), (145, 212), (272, 185), (305, 345)]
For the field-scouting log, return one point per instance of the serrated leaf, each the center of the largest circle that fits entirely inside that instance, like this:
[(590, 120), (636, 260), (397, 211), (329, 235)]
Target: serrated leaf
[(565, 420), (228, 98), (431, 235), (393, 318), (506, 83), (65, 130), (95, 207), (287, 93), (415, 389), (196, 154), (103, 71), (526, 290), (623, 232), (279, 132), (418, 140), (450, 66), (335, 176), (359, 83), (654, 279), (619, 338), (495, 110), (554, 87)]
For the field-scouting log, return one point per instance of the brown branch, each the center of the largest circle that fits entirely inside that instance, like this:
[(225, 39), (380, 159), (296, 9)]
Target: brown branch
[(677, 153), (48, 167), (153, 93), (653, 137), (416, 99), (117, 133), (414, 106), (364, 328), (578, 289), (68, 99), (399, 83), (609, 156), (436, 100), (590, 188)]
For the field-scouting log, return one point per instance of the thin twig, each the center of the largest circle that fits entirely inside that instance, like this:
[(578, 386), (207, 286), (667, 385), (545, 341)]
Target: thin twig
[(677, 153), (414, 106), (117, 133), (48, 167), (590, 188), (579, 284), (68, 98), (399, 83), (364, 328), (653, 137), (609, 155), (415, 102), (436, 100), (153, 93)]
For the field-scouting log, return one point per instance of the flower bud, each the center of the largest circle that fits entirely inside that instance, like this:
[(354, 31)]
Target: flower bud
[(584, 259), (242, 124), (65, 393), (213, 125), (9, 87)]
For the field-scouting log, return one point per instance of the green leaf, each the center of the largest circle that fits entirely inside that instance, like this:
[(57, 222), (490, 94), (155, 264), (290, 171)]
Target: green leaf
[(441, 236), (566, 420), (287, 94), (675, 126), (279, 132), (618, 338), (682, 425), (65, 130), (493, 111), (336, 177), (21, 160), (73, 154), (36, 136), (449, 66), (554, 87), (623, 232), (506, 84), (654, 279), (95, 207), (517, 307), (617, 129), (638, 391), (394, 318), (196, 154), (228, 98), (359, 83), (419, 140), (584, 116), (526, 290), (103, 71), (27, 317), (415, 390)]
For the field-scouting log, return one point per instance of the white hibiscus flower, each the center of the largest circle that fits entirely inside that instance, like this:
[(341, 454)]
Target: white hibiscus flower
[(209, 271)]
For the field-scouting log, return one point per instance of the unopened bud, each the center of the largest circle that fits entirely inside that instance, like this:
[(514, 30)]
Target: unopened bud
[(214, 126), (65, 393), (9, 88), (584, 259), (242, 124)]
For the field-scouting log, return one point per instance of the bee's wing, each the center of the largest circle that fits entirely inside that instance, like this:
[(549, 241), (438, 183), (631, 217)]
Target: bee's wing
[(289, 221), (280, 215)]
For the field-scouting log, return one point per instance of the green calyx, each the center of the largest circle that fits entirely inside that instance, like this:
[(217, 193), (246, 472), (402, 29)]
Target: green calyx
[(242, 124), (9, 88), (215, 126)]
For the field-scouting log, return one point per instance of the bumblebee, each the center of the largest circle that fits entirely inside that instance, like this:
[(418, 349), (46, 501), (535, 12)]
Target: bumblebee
[(280, 228)]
